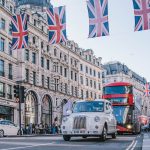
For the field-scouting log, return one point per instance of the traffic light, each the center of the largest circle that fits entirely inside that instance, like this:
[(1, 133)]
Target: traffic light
[(22, 93), (16, 91)]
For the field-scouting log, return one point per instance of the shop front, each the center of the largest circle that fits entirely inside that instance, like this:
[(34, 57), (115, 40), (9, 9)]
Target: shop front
[(6, 113)]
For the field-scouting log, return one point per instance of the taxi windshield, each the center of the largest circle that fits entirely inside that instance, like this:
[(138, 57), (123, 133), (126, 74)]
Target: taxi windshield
[(95, 106)]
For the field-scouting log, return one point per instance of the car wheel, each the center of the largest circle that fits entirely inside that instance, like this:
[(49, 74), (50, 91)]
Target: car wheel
[(1, 133), (66, 137), (104, 134), (114, 135)]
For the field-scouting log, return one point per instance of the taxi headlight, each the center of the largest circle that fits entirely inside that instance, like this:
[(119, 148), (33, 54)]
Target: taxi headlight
[(65, 119), (97, 119), (129, 126)]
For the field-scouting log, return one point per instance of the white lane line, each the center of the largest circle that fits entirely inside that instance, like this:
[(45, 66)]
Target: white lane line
[(47, 144), (128, 148), (134, 145)]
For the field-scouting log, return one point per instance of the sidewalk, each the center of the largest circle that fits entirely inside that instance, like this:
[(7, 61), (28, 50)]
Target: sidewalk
[(146, 141), (35, 135)]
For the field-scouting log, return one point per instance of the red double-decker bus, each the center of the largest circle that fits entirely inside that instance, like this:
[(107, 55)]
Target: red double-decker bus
[(126, 106)]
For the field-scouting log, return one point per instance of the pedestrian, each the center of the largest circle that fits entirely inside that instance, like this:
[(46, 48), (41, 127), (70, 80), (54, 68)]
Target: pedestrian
[(53, 128)]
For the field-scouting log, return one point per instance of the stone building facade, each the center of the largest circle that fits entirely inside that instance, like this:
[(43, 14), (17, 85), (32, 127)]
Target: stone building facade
[(51, 74), (118, 72)]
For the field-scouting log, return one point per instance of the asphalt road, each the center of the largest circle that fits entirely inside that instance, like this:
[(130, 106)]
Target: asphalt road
[(124, 142)]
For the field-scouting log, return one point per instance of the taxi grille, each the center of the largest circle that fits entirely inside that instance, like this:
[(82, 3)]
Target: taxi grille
[(79, 122)]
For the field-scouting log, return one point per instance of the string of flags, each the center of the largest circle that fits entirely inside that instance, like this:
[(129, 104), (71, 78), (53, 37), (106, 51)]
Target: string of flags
[(98, 22)]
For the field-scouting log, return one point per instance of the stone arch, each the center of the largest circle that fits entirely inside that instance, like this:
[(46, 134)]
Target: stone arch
[(46, 109), (31, 107)]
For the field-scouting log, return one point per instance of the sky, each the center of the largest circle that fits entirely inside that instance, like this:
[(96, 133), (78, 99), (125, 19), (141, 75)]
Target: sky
[(123, 44)]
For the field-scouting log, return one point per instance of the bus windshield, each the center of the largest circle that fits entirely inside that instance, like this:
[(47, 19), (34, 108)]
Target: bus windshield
[(123, 114), (117, 90), (95, 106)]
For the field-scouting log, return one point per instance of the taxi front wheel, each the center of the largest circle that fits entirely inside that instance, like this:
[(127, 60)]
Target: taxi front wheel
[(104, 134), (66, 137)]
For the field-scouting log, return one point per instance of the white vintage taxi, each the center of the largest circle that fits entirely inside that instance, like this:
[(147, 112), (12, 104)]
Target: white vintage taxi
[(8, 128), (90, 118)]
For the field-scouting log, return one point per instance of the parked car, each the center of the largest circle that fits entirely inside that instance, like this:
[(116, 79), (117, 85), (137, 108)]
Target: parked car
[(8, 128), (90, 118)]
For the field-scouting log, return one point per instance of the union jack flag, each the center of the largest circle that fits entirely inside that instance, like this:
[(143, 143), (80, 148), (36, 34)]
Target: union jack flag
[(57, 24), (98, 18), (147, 89), (19, 31), (142, 14)]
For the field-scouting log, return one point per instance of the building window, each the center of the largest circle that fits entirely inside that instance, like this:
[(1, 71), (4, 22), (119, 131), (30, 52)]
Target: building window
[(61, 70), (99, 86), (95, 84), (90, 71), (10, 50), (34, 39), (43, 80), (71, 60), (55, 52), (34, 78), (10, 76), (99, 75), (91, 83), (42, 45), (34, 58), (65, 72), (94, 72), (3, 24), (35, 22), (75, 76), (27, 75), (86, 69), (10, 29), (11, 9), (87, 94), (2, 44), (72, 90), (27, 55), (81, 79), (47, 64), (95, 96), (48, 82), (65, 57), (81, 67), (47, 48), (9, 92), (82, 94), (87, 82), (91, 95), (71, 75), (90, 58), (66, 88), (3, 2), (2, 89), (1, 68), (42, 62)]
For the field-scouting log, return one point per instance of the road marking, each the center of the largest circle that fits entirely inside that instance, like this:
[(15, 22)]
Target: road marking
[(130, 145), (134, 145)]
